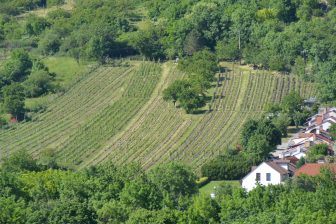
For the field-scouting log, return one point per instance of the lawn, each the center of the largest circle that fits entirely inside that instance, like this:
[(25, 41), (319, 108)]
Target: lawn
[(66, 69), (209, 188)]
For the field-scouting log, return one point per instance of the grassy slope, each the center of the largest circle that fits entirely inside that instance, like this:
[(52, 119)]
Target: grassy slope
[(118, 114)]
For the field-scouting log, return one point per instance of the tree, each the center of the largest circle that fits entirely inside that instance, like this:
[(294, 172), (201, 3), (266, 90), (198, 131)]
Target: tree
[(316, 152), (113, 212), (12, 211), (38, 83), (174, 91), (19, 161), (36, 25), (281, 122), (148, 42), (190, 100), (14, 100), (71, 211), (332, 131), (193, 42), (258, 148), (249, 128), (228, 50), (228, 166), (50, 43), (175, 179), (18, 66), (142, 216), (141, 193), (203, 210), (292, 103), (300, 163)]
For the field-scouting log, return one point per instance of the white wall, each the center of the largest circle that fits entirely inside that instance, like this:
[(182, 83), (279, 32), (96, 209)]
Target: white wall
[(249, 181)]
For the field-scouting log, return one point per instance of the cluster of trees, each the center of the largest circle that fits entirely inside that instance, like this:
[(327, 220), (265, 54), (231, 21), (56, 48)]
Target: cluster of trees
[(14, 7), (21, 77), (94, 30), (190, 92), (291, 111), (285, 35), (41, 192)]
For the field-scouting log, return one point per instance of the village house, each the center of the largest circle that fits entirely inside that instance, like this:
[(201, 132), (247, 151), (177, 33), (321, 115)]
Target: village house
[(321, 121), (314, 169), (268, 173), (300, 145)]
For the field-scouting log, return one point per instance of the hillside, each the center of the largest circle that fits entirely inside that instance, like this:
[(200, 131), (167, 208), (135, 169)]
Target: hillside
[(118, 114)]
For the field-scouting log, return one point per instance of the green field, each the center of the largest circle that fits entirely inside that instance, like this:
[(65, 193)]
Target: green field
[(210, 187), (117, 114)]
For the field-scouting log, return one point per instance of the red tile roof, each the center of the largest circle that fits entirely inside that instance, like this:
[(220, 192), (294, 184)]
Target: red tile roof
[(313, 169)]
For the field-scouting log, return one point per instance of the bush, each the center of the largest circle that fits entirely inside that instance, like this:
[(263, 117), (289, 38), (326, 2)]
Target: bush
[(38, 83), (227, 167)]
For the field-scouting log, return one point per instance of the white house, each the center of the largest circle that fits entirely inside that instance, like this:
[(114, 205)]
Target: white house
[(268, 173)]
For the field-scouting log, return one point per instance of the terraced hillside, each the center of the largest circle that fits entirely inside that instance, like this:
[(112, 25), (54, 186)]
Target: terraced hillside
[(118, 114), (161, 132)]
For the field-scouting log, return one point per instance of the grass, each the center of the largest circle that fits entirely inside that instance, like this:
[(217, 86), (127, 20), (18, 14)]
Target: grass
[(209, 188), (66, 69)]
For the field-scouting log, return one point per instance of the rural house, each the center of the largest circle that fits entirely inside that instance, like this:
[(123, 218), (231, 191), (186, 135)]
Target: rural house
[(268, 173)]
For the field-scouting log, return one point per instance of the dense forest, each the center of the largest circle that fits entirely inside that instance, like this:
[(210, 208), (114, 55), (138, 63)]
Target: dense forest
[(41, 192)]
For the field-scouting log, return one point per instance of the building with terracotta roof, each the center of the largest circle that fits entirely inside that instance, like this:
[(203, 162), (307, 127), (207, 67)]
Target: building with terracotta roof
[(314, 169)]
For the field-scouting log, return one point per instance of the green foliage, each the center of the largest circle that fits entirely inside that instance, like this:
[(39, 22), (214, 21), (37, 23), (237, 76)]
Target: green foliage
[(39, 82), (281, 122), (36, 25), (18, 66), (13, 100), (263, 127), (141, 193), (258, 147), (190, 93), (203, 210), (19, 162), (64, 196), (332, 131), (50, 43), (71, 211), (148, 42), (300, 163), (229, 166), (174, 179), (292, 103), (316, 152), (228, 50)]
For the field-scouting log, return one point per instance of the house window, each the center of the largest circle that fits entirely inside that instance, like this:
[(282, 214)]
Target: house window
[(268, 176), (257, 176)]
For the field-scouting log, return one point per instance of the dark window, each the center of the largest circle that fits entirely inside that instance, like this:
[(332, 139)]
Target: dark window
[(257, 176), (268, 177)]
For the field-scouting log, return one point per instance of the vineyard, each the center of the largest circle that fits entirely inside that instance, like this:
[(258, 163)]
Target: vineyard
[(118, 114)]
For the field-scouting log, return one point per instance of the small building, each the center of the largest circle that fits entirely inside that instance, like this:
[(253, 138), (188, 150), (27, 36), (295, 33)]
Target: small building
[(268, 173), (314, 169)]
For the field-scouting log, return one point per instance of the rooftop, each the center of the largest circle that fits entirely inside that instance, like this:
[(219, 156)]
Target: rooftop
[(314, 169)]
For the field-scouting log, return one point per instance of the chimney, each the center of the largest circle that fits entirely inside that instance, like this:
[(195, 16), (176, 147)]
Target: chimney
[(319, 119)]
